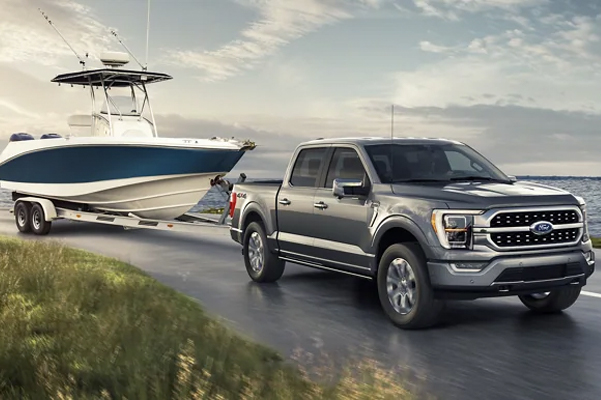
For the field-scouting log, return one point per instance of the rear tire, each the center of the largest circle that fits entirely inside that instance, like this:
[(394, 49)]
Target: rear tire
[(554, 302), (23, 216), (411, 304), (261, 265), (39, 225)]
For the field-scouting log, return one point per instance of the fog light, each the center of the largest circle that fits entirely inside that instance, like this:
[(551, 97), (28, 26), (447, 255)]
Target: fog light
[(589, 256), (468, 266)]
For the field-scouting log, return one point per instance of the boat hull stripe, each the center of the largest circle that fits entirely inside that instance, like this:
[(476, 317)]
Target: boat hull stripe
[(81, 164)]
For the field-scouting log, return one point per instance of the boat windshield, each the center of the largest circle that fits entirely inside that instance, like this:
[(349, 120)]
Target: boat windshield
[(122, 105), (442, 162)]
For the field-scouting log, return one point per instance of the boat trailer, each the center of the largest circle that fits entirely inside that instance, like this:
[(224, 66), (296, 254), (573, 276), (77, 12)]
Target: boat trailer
[(36, 214)]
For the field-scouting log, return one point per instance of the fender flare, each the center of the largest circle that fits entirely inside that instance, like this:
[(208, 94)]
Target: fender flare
[(254, 207), (403, 222)]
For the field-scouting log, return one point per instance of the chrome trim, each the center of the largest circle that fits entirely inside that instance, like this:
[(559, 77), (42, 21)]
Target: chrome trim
[(482, 227), (510, 229), (533, 246), (484, 219), (236, 229), (319, 266), (538, 281), (330, 261)]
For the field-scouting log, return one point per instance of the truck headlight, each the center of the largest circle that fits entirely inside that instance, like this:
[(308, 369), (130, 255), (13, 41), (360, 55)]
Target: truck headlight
[(454, 227), (585, 236)]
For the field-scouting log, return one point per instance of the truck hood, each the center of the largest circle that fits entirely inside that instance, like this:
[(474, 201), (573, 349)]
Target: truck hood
[(488, 194)]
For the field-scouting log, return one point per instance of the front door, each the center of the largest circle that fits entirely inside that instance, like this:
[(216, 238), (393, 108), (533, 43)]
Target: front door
[(344, 223)]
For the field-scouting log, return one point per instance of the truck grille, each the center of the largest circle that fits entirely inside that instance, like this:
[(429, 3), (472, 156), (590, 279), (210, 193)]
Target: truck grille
[(510, 229), (514, 219), (512, 239)]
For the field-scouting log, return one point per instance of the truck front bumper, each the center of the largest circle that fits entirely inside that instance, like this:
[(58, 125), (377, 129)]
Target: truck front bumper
[(510, 275)]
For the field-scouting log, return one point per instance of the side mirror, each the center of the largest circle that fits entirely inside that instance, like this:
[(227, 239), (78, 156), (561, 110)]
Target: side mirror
[(512, 178), (348, 187)]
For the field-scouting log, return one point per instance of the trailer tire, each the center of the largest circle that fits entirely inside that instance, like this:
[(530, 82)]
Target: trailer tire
[(261, 265), (39, 225), (23, 216)]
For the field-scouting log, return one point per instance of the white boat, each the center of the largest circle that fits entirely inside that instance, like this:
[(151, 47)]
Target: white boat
[(119, 165)]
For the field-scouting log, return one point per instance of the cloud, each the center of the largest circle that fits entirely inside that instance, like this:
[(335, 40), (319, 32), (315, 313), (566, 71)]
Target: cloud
[(556, 65), (452, 9), (279, 23), (26, 37)]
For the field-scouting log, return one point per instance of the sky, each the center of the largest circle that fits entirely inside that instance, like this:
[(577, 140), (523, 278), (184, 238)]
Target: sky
[(518, 80)]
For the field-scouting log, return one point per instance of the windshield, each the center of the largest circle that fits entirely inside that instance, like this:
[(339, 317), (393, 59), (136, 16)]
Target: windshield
[(431, 162)]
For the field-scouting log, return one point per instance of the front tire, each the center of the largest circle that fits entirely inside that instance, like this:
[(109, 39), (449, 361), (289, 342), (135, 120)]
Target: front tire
[(404, 288), (261, 265), (23, 217), (39, 225), (552, 302)]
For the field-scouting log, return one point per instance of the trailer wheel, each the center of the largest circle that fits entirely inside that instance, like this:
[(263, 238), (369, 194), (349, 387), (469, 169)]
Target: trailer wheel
[(261, 264), (23, 216), (39, 225)]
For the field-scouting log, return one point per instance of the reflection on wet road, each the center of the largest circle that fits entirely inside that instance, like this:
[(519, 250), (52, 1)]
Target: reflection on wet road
[(485, 349)]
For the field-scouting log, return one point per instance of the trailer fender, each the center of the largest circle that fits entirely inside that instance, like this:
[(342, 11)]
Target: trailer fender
[(50, 213)]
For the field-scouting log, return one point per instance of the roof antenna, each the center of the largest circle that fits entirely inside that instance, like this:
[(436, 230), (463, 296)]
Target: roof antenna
[(81, 60), (392, 123), (147, 35), (391, 142), (114, 33)]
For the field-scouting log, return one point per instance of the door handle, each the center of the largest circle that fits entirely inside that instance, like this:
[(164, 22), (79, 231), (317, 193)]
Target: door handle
[(285, 202), (321, 205)]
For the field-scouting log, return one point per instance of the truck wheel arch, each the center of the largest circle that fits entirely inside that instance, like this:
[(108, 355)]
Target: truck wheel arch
[(398, 230), (252, 213)]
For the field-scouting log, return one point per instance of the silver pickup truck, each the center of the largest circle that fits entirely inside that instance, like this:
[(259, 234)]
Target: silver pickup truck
[(429, 220)]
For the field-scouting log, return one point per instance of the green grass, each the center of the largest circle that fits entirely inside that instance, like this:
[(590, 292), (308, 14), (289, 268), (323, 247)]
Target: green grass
[(596, 242), (77, 325)]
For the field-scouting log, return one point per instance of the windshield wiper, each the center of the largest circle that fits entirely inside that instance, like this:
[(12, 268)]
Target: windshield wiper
[(478, 178)]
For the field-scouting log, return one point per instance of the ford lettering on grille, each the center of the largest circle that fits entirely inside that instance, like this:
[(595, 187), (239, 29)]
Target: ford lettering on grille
[(541, 228)]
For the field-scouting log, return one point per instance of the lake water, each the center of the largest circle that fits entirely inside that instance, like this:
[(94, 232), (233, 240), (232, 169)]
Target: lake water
[(588, 188)]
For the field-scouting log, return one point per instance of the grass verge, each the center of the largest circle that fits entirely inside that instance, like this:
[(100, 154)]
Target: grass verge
[(77, 325), (596, 242)]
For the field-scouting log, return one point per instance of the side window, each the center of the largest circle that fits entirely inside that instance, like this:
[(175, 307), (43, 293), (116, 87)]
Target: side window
[(307, 167), (345, 164), (460, 162)]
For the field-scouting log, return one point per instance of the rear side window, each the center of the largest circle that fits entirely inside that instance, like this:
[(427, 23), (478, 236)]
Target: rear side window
[(307, 166)]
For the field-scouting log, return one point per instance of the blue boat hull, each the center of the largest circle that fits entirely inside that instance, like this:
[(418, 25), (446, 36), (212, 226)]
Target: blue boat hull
[(91, 163)]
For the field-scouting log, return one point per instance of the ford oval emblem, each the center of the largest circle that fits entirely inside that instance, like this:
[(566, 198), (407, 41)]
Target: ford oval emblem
[(541, 228)]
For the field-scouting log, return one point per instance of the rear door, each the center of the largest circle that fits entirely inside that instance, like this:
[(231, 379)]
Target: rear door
[(295, 206), (344, 223)]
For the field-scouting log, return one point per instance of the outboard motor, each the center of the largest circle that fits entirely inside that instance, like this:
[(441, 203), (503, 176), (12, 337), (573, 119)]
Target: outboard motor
[(19, 137), (50, 136)]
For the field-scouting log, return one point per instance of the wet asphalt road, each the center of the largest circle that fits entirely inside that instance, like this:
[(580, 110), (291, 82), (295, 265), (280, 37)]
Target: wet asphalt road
[(485, 349)]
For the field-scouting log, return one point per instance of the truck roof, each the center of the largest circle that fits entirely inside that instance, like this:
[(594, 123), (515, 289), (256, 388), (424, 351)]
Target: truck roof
[(379, 140)]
